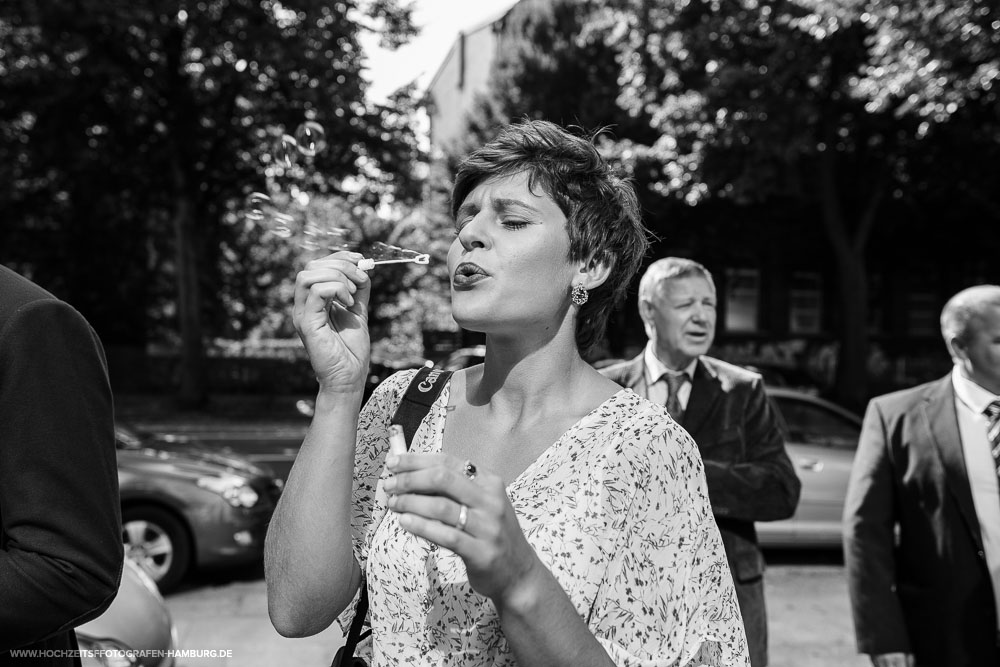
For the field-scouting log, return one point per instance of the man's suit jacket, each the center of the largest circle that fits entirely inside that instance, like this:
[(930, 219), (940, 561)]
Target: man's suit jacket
[(750, 477), (60, 514), (931, 593)]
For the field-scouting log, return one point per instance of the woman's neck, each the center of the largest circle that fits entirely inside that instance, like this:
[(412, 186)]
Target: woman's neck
[(521, 376)]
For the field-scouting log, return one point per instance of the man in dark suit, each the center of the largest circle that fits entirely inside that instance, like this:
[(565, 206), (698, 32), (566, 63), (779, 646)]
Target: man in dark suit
[(724, 408), (922, 516), (60, 515)]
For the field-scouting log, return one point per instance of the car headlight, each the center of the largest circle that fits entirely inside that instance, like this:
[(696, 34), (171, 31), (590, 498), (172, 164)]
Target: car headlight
[(104, 653), (236, 490)]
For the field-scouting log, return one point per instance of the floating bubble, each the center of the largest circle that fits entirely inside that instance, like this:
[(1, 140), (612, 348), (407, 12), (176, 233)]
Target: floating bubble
[(383, 253), (330, 239), (311, 138), (257, 206), (285, 150), (282, 225)]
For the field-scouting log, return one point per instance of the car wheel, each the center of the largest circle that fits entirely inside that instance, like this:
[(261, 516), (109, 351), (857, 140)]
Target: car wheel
[(158, 542)]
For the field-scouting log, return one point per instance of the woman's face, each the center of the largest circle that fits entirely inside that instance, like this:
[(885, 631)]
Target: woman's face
[(509, 264)]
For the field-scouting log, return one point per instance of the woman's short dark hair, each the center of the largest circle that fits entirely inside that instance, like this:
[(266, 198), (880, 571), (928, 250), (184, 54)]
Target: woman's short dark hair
[(602, 211)]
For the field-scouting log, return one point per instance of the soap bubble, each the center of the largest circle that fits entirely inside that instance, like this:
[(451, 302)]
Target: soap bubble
[(311, 138), (328, 239), (285, 151), (383, 252), (281, 225), (258, 206)]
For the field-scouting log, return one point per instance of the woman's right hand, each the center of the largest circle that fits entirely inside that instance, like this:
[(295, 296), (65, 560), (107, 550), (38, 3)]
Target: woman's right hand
[(331, 317)]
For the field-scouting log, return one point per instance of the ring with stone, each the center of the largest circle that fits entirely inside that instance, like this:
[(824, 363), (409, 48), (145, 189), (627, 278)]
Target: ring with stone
[(470, 470), (463, 517)]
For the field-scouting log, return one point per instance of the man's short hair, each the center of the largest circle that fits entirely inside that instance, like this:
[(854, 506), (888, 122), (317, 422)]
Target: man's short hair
[(964, 308), (669, 268)]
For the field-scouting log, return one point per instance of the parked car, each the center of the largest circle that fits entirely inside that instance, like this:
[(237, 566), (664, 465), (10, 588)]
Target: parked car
[(186, 506), (135, 631), (821, 438)]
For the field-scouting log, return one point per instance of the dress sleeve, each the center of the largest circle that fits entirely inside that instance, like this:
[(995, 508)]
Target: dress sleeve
[(668, 597)]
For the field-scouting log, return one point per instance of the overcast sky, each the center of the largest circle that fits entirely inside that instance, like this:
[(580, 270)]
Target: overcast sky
[(439, 22)]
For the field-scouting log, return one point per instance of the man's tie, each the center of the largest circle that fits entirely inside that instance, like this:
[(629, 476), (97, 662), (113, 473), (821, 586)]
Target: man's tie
[(674, 383), (992, 413)]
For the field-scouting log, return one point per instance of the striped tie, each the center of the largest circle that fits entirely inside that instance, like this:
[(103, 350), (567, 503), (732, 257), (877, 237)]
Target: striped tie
[(992, 413), (674, 383)]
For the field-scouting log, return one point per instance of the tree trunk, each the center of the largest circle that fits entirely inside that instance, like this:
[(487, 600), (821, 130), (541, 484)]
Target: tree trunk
[(851, 380), (192, 389), (851, 384)]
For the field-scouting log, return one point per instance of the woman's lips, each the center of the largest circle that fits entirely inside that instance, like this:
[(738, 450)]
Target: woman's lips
[(467, 274)]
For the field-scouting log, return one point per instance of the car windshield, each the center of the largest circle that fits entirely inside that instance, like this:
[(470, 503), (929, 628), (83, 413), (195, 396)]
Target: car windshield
[(813, 424)]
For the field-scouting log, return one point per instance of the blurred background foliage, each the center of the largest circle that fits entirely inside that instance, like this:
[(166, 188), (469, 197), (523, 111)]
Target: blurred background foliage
[(865, 118), (131, 134)]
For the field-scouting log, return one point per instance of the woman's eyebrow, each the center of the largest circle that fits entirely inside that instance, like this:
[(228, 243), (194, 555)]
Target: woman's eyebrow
[(500, 205), (466, 209), (503, 204)]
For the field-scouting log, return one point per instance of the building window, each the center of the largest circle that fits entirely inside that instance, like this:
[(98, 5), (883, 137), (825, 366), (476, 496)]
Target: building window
[(805, 307), (742, 300)]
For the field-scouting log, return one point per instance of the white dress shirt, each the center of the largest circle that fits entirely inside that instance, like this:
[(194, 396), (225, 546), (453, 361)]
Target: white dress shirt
[(656, 386), (979, 465)]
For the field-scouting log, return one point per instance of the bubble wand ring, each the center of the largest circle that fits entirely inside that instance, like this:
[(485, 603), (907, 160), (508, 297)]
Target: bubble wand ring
[(367, 264)]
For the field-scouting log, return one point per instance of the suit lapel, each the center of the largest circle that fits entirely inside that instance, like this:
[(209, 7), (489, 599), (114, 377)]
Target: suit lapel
[(942, 421), (634, 376), (705, 393)]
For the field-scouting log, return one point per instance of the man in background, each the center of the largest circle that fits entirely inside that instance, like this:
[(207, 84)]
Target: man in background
[(922, 516), (60, 515), (724, 408)]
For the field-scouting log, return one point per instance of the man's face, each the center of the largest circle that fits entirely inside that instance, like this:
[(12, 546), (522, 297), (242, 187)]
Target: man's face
[(680, 319), (979, 353)]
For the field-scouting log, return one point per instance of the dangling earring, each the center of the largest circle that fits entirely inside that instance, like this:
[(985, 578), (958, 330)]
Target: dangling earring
[(579, 294)]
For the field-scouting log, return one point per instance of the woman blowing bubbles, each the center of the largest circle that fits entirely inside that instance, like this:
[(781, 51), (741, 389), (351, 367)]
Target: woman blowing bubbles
[(582, 533)]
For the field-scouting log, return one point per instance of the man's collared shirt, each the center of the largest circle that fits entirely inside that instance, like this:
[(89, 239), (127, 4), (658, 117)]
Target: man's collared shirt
[(656, 386), (981, 468)]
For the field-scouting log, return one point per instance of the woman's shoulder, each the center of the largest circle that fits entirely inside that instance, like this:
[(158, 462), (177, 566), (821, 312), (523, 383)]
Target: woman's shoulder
[(631, 412), (642, 430)]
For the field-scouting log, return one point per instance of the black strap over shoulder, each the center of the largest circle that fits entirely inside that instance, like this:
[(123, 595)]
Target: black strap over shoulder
[(424, 389)]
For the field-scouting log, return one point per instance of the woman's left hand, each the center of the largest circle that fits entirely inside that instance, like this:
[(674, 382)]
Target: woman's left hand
[(428, 491)]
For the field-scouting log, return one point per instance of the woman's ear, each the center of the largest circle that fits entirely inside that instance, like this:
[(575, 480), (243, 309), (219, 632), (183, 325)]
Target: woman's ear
[(593, 273)]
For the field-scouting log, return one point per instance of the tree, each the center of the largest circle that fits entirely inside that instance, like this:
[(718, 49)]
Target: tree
[(548, 66), (824, 105), (139, 128)]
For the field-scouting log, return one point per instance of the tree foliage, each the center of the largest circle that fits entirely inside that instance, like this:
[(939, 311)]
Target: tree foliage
[(853, 114), (828, 106), (132, 132)]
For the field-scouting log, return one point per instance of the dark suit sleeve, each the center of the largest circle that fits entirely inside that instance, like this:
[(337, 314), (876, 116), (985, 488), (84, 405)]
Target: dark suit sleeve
[(61, 555), (869, 543), (763, 485)]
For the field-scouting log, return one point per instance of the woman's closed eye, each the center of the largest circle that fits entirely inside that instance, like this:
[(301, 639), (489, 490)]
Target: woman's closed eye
[(513, 223)]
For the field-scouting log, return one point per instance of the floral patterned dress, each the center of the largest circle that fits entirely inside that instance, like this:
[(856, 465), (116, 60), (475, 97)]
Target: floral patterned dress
[(617, 509)]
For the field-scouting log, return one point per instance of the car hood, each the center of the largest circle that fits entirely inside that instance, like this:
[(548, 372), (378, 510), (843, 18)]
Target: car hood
[(188, 461)]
